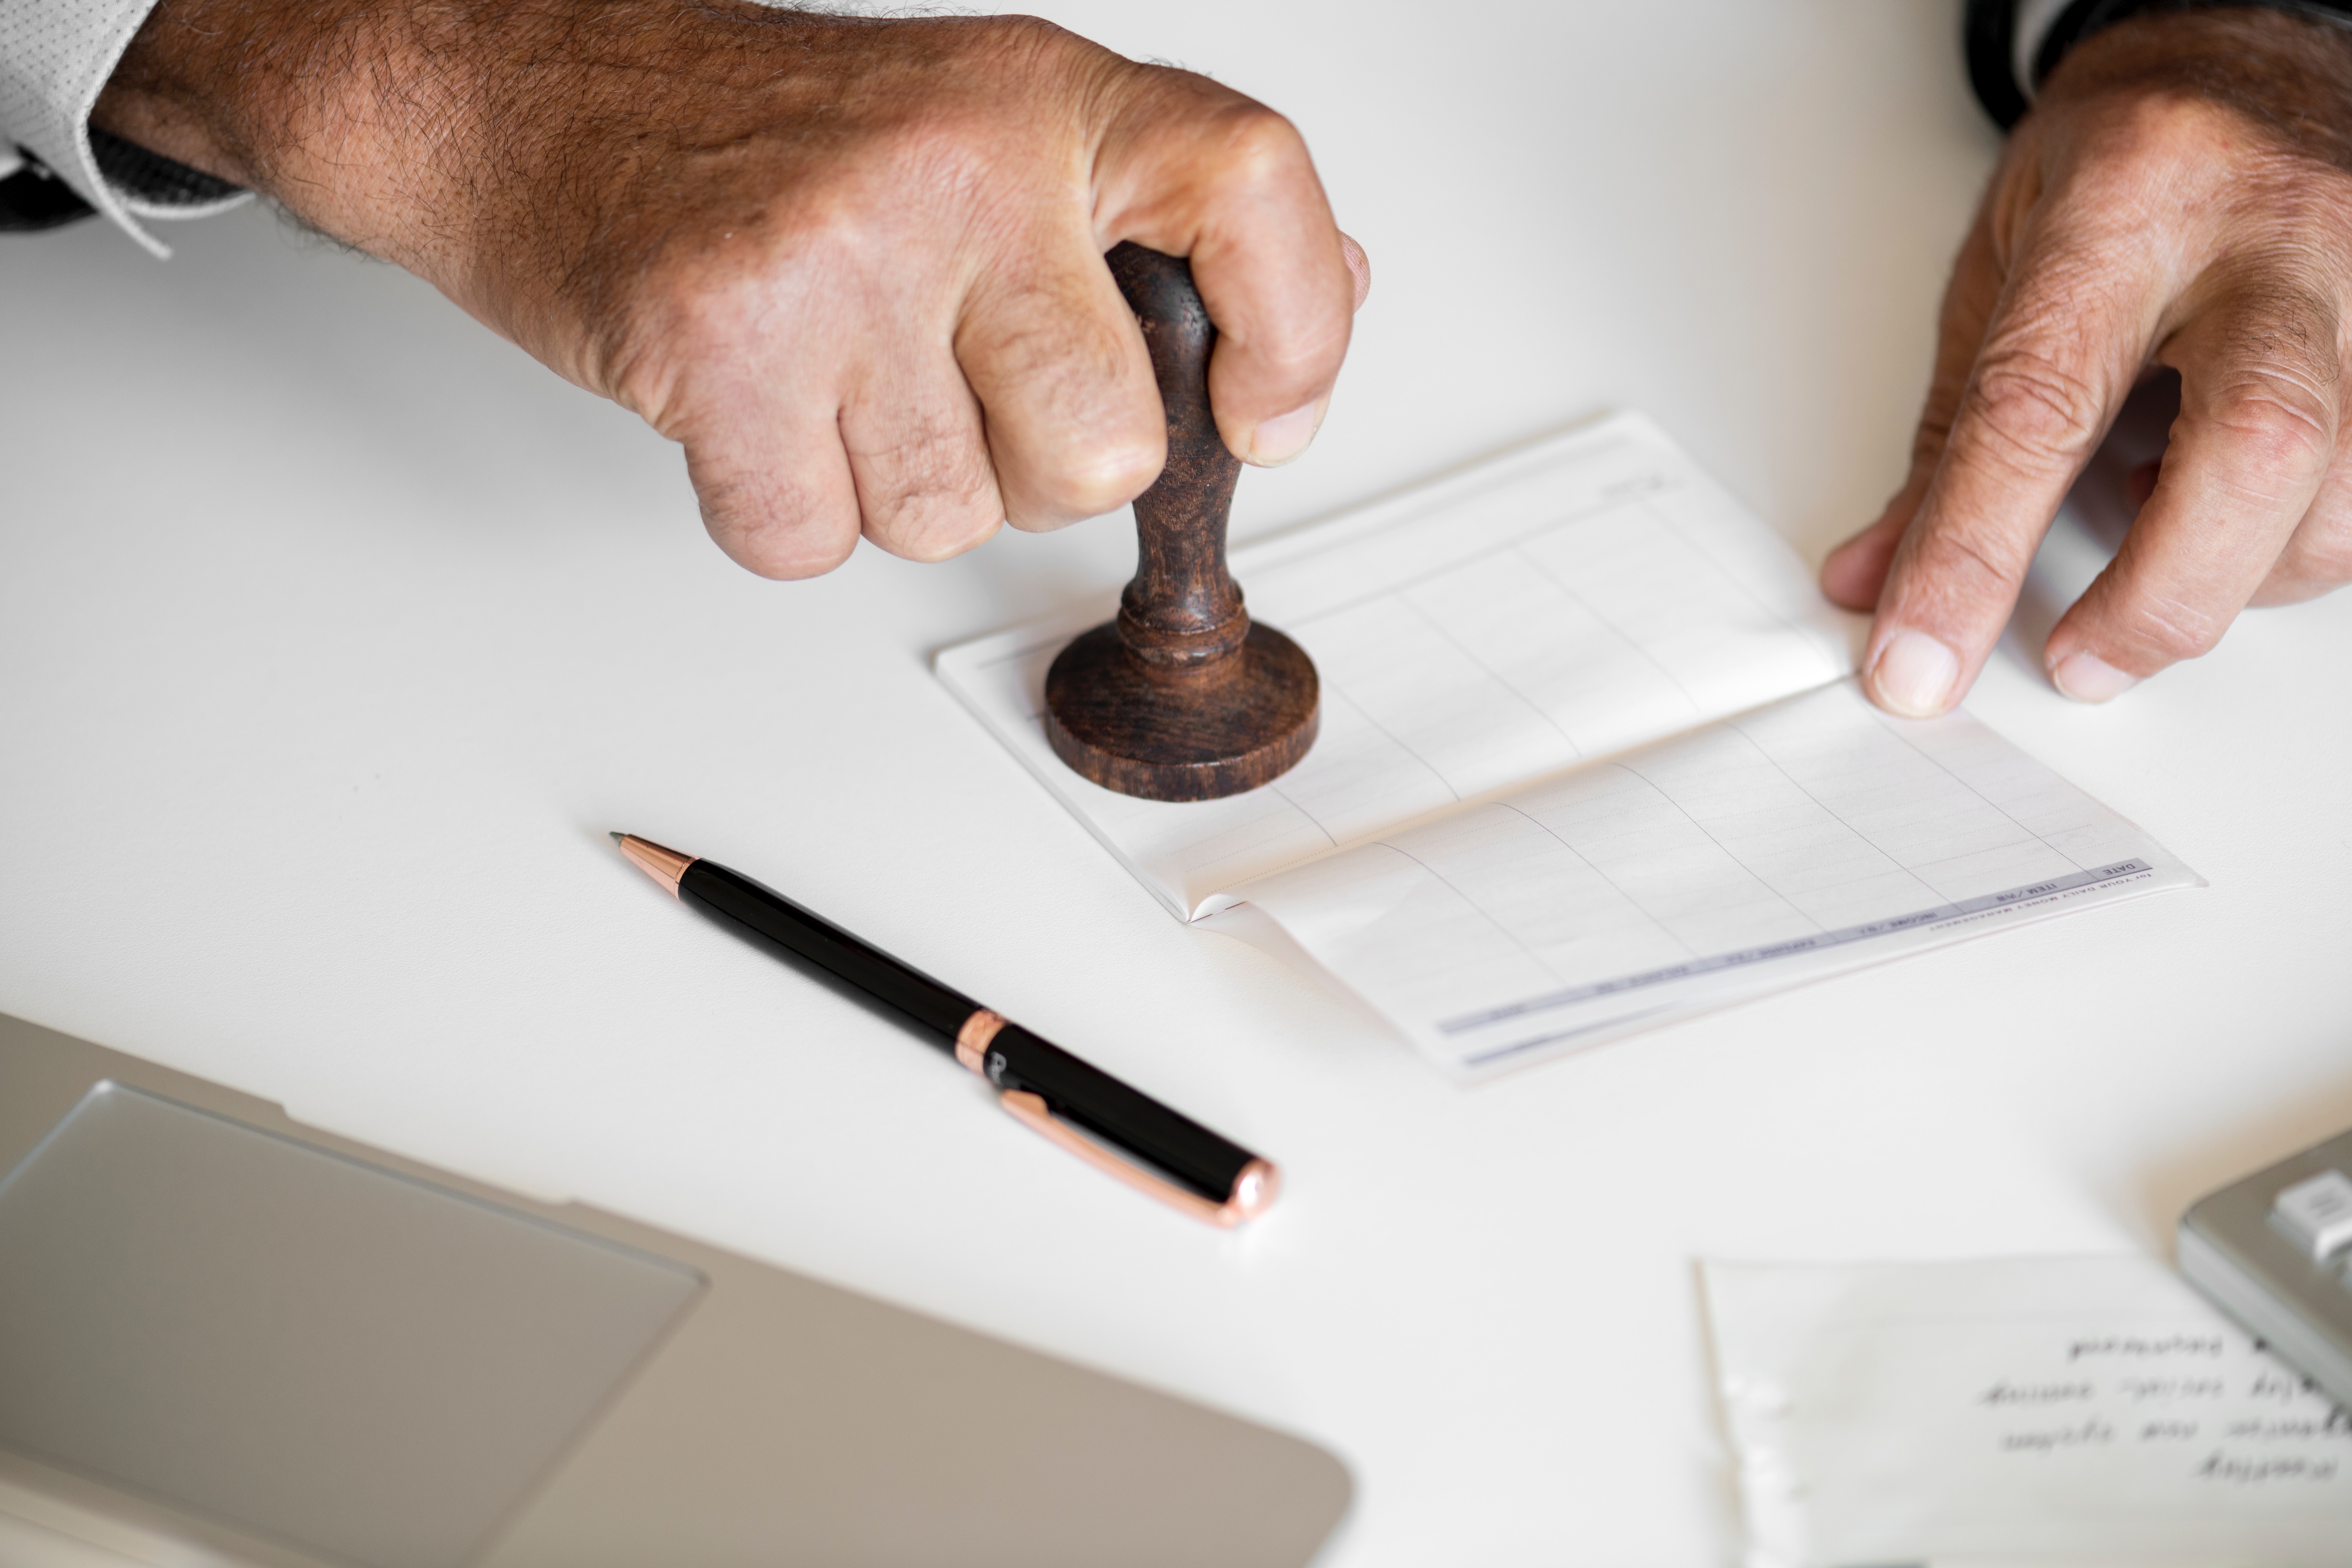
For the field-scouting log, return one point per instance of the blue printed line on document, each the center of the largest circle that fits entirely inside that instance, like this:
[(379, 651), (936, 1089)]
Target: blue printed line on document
[(1814, 943)]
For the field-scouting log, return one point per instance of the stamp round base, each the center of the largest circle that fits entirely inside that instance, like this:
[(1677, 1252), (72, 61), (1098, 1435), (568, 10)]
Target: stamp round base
[(1190, 734)]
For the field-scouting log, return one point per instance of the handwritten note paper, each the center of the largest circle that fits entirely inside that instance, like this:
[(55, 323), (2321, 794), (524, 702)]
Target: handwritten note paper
[(2065, 1410)]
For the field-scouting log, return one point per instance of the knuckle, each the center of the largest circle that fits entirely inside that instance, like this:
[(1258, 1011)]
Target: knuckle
[(1049, 338), (2285, 319), (1256, 149), (1061, 475), (1020, 45), (2171, 628), (2162, 143), (2273, 400), (1295, 358), (1078, 430), (1972, 561), (778, 261), (1934, 432), (1021, 30), (784, 552), (840, 233), (2280, 431), (2037, 408), (2174, 129), (1109, 476), (935, 533), (771, 531), (929, 495)]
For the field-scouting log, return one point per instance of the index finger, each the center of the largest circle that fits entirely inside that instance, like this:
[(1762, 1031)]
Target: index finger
[(1200, 172), (2059, 356)]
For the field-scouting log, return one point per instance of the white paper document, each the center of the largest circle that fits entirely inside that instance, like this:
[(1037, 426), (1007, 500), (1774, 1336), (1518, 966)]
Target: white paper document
[(2049, 1410), (1590, 757)]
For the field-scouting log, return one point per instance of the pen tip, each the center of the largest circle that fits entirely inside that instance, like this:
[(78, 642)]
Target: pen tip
[(619, 836)]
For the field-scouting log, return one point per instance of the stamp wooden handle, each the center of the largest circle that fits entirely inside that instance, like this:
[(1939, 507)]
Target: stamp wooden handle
[(1180, 698), (1183, 606)]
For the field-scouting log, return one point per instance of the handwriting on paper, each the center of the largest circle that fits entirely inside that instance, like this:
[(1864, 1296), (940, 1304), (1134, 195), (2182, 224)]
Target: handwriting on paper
[(2249, 1422), (2055, 1407)]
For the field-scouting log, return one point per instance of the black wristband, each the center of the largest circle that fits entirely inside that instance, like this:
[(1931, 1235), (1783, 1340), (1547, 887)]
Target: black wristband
[(154, 178), (1990, 28), (34, 199)]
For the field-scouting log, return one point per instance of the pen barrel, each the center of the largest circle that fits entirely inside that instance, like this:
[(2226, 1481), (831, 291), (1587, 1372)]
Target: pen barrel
[(772, 920), (1087, 1098), (1119, 1115)]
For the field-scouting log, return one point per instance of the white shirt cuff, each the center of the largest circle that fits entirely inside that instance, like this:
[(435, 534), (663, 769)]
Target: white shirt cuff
[(55, 57)]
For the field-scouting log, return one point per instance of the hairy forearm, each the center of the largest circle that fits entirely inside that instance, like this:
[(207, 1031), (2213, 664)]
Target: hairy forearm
[(322, 104), (375, 123), (447, 138)]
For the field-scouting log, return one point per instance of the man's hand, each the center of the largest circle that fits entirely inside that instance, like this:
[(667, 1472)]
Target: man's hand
[(2180, 196), (854, 265)]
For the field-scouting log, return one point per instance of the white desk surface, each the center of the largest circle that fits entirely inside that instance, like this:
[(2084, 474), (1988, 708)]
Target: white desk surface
[(334, 634)]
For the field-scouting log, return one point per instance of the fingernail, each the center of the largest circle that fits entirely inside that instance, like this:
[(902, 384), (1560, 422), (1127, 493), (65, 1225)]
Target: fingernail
[(1914, 675), (2087, 678), (1284, 436)]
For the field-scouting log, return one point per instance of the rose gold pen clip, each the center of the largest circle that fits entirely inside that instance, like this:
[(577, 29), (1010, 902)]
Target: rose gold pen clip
[(1255, 1189)]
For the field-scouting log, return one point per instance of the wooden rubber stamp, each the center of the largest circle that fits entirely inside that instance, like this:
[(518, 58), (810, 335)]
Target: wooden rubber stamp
[(1182, 697)]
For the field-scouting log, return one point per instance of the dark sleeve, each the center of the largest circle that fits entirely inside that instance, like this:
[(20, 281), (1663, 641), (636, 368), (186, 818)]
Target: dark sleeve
[(1994, 48), (1988, 34)]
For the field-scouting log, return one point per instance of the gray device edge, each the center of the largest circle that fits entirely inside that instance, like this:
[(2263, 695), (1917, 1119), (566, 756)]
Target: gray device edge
[(2229, 1249), (160, 1509), (1315, 1498), (378, 1163)]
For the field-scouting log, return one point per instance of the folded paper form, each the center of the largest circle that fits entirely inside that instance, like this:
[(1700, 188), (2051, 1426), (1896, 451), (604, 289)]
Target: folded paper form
[(1590, 759)]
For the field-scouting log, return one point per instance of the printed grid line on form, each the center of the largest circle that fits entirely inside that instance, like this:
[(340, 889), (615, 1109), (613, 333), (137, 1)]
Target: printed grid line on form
[(1728, 852), (1619, 495), (1404, 597), (1288, 800), (1480, 909), (1549, 575), (1665, 519), (1972, 789), (1663, 930), (1733, 726), (1389, 735)]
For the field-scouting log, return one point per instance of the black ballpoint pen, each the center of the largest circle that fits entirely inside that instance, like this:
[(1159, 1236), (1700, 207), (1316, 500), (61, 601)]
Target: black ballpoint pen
[(1175, 1159)]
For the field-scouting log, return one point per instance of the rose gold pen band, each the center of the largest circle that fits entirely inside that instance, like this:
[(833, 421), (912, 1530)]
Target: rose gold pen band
[(1255, 1189)]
